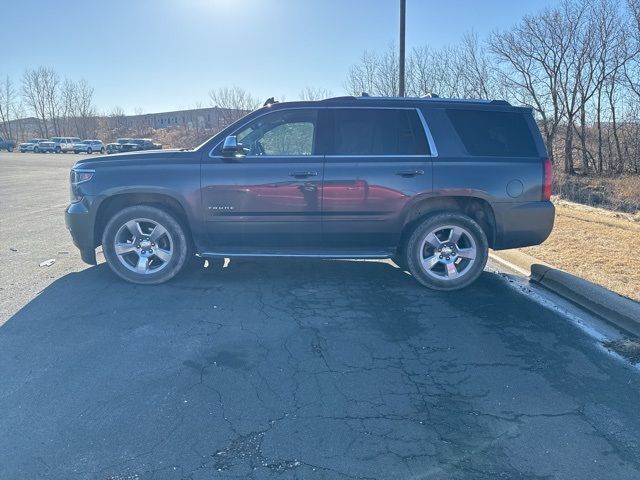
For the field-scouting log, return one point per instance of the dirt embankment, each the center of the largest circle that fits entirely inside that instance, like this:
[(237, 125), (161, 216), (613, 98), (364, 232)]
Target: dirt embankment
[(596, 244)]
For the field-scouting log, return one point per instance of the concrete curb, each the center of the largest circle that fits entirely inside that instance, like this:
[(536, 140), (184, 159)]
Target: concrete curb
[(620, 311)]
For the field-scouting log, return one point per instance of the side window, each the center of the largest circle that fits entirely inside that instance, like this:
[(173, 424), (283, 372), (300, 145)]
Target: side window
[(285, 133), (370, 131), (493, 133)]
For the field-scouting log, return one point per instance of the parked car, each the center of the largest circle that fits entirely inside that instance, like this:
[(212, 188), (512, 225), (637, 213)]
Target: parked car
[(146, 144), (89, 146), (45, 146), (30, 145), (116, 147), (431, 183), (7, 145), (137, 144), (64, 144)]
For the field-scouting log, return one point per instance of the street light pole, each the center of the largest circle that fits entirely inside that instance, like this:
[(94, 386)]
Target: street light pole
[(403, 8)]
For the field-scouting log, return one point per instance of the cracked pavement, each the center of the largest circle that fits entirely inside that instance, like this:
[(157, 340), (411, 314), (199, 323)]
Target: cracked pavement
[(288, 369)]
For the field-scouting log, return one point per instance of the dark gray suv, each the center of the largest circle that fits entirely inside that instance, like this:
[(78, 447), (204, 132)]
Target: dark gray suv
[(431, 183)]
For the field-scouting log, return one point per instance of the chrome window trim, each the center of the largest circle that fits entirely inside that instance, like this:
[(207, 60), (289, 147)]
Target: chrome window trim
[(427, 132), (425, 127)]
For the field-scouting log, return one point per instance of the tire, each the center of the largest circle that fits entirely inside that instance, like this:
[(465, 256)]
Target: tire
[(58, 150), (102, 151), (36, 150), (89, 151), (22, 151), (458, 263), (145, 268), (10, 149), (76, 151)]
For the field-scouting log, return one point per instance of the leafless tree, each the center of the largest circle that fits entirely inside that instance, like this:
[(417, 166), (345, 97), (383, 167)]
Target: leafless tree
[(234, 102), (311, 93), (8, 99)]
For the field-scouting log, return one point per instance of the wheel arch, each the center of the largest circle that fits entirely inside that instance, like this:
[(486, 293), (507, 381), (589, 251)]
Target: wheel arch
[(114, 203), (479, 209)]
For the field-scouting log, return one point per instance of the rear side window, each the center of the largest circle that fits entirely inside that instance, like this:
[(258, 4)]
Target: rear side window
[(493, 134), (368, 131)]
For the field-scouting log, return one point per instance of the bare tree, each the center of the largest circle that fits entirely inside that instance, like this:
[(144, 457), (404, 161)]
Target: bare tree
[(8, 99), (234, 102), (311, 93), (34, 96)]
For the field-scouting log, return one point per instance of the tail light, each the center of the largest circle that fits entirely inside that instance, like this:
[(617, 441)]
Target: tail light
[(548, 179)]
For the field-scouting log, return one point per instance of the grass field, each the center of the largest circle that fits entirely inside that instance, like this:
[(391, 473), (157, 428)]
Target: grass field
[(599, 245)]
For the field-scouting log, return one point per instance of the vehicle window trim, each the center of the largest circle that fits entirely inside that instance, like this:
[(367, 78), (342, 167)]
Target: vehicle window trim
[(432, 146)]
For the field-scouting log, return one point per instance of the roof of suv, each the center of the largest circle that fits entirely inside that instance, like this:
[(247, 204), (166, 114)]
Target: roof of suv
[(397, 101)]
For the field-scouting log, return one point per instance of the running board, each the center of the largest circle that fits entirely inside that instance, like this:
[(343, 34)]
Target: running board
[(232, 254)]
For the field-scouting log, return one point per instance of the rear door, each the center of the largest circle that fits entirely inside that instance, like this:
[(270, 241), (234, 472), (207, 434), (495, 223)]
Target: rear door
[(378, 159)]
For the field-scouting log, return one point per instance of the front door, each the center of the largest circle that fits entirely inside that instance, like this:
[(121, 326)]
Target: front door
[(268, 198)]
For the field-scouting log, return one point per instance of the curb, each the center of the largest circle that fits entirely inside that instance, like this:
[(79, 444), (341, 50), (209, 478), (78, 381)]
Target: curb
[(615, 309)]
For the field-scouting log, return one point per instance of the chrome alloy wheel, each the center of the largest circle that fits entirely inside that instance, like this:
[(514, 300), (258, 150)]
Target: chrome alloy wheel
[(447, 252), (143, 246)]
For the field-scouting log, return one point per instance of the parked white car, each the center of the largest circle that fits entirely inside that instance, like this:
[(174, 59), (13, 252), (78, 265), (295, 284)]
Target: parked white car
[(64, 144), (30, 144), (88, 146), (45, 146)]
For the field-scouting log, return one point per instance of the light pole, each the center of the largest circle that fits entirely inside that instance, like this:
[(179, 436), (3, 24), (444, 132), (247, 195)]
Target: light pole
[(403, 9)]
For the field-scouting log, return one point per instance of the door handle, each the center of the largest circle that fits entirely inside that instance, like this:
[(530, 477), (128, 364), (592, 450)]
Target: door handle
[(410, 173), (303, 174)]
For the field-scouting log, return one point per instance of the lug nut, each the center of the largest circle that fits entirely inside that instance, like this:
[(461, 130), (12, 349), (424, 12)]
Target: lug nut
[(144, 251), (448, 258), (150, 251)]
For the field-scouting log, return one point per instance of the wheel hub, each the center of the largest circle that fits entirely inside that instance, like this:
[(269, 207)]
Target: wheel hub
[(448, 253)]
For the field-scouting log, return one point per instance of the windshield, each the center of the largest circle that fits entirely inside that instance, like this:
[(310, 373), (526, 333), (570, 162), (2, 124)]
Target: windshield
[(123, 140)]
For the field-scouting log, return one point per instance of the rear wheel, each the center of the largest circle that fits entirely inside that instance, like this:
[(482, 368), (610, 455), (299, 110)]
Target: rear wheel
[(447, 251), (58, 150), (102, 150), (89, 151), (10, 149), (36, 150), (145, 244)]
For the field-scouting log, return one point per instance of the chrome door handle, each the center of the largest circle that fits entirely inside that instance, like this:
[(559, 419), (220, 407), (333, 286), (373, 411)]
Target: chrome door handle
[(303, 174), (410, 173)]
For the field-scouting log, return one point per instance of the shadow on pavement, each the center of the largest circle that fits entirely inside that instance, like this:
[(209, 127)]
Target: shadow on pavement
[(313, 369)]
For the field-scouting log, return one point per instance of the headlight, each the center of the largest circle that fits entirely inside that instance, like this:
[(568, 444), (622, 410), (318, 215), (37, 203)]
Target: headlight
[(76, 178)]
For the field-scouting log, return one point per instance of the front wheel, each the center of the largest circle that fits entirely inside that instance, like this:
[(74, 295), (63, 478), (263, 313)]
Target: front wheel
[(102, 151), (145, 245), (36, 150), (58, 150), (447, 251), (10, 149)]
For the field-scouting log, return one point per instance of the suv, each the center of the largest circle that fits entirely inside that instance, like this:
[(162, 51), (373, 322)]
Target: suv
[(431, 183), (7, 145), (88, 146), (30, 145), (64, 144)]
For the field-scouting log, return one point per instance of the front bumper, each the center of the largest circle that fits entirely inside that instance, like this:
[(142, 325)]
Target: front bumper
[(80, 222), (522, 224)]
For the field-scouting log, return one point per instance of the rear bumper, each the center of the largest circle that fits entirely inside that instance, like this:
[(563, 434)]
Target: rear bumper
[(79, 222), (522, 224)]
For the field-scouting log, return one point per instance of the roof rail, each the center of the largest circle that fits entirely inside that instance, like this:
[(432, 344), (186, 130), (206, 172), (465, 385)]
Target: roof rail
[(345, 97), (500, 102)]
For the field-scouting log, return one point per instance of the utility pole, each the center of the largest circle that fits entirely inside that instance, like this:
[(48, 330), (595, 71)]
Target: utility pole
[(403, 10)]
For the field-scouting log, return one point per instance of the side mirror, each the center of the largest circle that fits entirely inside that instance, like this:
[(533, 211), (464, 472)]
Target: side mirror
[(231, 146)]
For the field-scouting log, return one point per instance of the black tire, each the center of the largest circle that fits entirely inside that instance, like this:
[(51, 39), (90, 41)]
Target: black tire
[(89, 151), (22, 151), (10, 149), (36, 150), (58, 150), (76, 151), (473, 235), (102, 151), (175, 231)]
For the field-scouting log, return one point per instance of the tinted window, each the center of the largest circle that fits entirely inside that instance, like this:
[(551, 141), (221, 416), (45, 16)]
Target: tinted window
[(499, 134), (367, 131), (289, 132)]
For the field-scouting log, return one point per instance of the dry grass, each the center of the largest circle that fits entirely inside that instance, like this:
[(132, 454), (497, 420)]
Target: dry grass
[(621, 193), (595, 244)]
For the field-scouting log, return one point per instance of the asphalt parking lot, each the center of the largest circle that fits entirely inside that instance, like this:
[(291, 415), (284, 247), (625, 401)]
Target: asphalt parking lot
[(286, 369)]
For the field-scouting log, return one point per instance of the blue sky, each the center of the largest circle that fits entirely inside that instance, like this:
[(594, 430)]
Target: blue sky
[(163, 55)]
